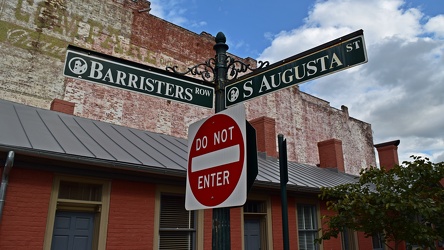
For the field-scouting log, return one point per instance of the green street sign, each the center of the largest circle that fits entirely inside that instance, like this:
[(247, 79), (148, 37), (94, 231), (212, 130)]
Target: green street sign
[(325, 59), (119, 73)]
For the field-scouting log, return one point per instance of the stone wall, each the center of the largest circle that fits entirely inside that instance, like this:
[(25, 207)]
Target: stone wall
[(34, 35)]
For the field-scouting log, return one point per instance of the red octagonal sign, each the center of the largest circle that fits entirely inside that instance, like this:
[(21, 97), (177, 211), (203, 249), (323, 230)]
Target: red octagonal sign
[(216, 172)]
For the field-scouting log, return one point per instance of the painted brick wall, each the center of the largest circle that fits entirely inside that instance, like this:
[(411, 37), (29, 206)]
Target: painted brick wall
[(33, 47), (23, 223), (131, 215), (305, 120)]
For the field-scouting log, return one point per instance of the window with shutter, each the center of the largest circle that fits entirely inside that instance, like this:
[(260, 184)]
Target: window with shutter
[(177, 226)]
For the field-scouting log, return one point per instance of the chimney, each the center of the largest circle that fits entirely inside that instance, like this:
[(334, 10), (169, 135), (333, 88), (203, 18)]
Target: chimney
[(62, 106), (330, 154), (345, 111), (388, 154), (265, 135)]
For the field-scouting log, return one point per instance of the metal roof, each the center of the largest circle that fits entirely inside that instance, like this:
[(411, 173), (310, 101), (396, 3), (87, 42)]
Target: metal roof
[(40, 132)]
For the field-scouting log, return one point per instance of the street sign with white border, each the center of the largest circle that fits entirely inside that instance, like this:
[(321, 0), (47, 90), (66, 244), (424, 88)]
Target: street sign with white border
[(328, 58), (216, 171), (119, 73)]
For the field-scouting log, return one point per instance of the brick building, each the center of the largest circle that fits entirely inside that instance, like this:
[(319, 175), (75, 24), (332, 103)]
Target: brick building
[(34, 48), (115, 160)]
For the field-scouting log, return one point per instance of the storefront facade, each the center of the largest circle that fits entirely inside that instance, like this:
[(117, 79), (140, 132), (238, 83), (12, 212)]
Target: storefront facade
[(113, 161)]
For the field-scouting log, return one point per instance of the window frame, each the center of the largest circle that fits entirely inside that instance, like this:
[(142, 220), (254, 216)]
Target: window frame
[(349, 239), (199, 216), (315, 212), (380, 240), (266, 220), (101, 208)]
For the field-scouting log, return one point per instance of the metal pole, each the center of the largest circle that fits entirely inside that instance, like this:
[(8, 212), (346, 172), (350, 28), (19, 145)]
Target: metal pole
[(221, 216), (5, 180), (221, 70), (283, 170)]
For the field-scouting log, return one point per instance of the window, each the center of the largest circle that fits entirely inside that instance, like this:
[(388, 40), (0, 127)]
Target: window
[(348, 238), (255, 207), (377, 241), (76, 202), (419, 220), (177, 226), (80, 191), (307, 227)]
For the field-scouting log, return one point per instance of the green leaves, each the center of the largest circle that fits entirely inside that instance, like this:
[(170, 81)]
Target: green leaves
[(405, 203)]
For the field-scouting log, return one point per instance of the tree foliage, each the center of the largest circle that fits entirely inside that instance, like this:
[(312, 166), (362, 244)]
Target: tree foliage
[(405, 203)]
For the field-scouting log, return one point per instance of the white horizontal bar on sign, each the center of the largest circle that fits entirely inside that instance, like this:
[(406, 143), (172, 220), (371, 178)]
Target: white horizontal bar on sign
[(216, 158)]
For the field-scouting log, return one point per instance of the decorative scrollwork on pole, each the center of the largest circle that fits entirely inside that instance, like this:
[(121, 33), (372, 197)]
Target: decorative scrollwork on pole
[(235, 67), (205, 70)]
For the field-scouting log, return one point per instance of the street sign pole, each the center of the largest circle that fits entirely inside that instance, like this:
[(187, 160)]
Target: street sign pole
[(217, 71), (283, 170), (221, 216)]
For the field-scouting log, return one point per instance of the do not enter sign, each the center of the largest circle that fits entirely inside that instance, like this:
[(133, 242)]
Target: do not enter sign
[(216, 171)]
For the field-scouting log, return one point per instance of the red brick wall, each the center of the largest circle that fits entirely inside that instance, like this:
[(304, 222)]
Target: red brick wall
[(388, 156), (292, 223), (236, 227), (330, 154), (276, 215), (23, 223), (276, 210), (265, 135), (208, 226), (131, 215), (401, 245), (333, 243), (364, 243), (63, 106), (179, 45)]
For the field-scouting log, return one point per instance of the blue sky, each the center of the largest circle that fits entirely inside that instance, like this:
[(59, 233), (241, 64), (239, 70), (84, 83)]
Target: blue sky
[(400, 91)]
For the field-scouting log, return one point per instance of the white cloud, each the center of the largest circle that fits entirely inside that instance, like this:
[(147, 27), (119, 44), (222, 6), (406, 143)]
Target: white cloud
[(439, 157), (174, 11), (288, 43), (199, 24), (400, 90), (435, 25), (157, 9), (380, 20)]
